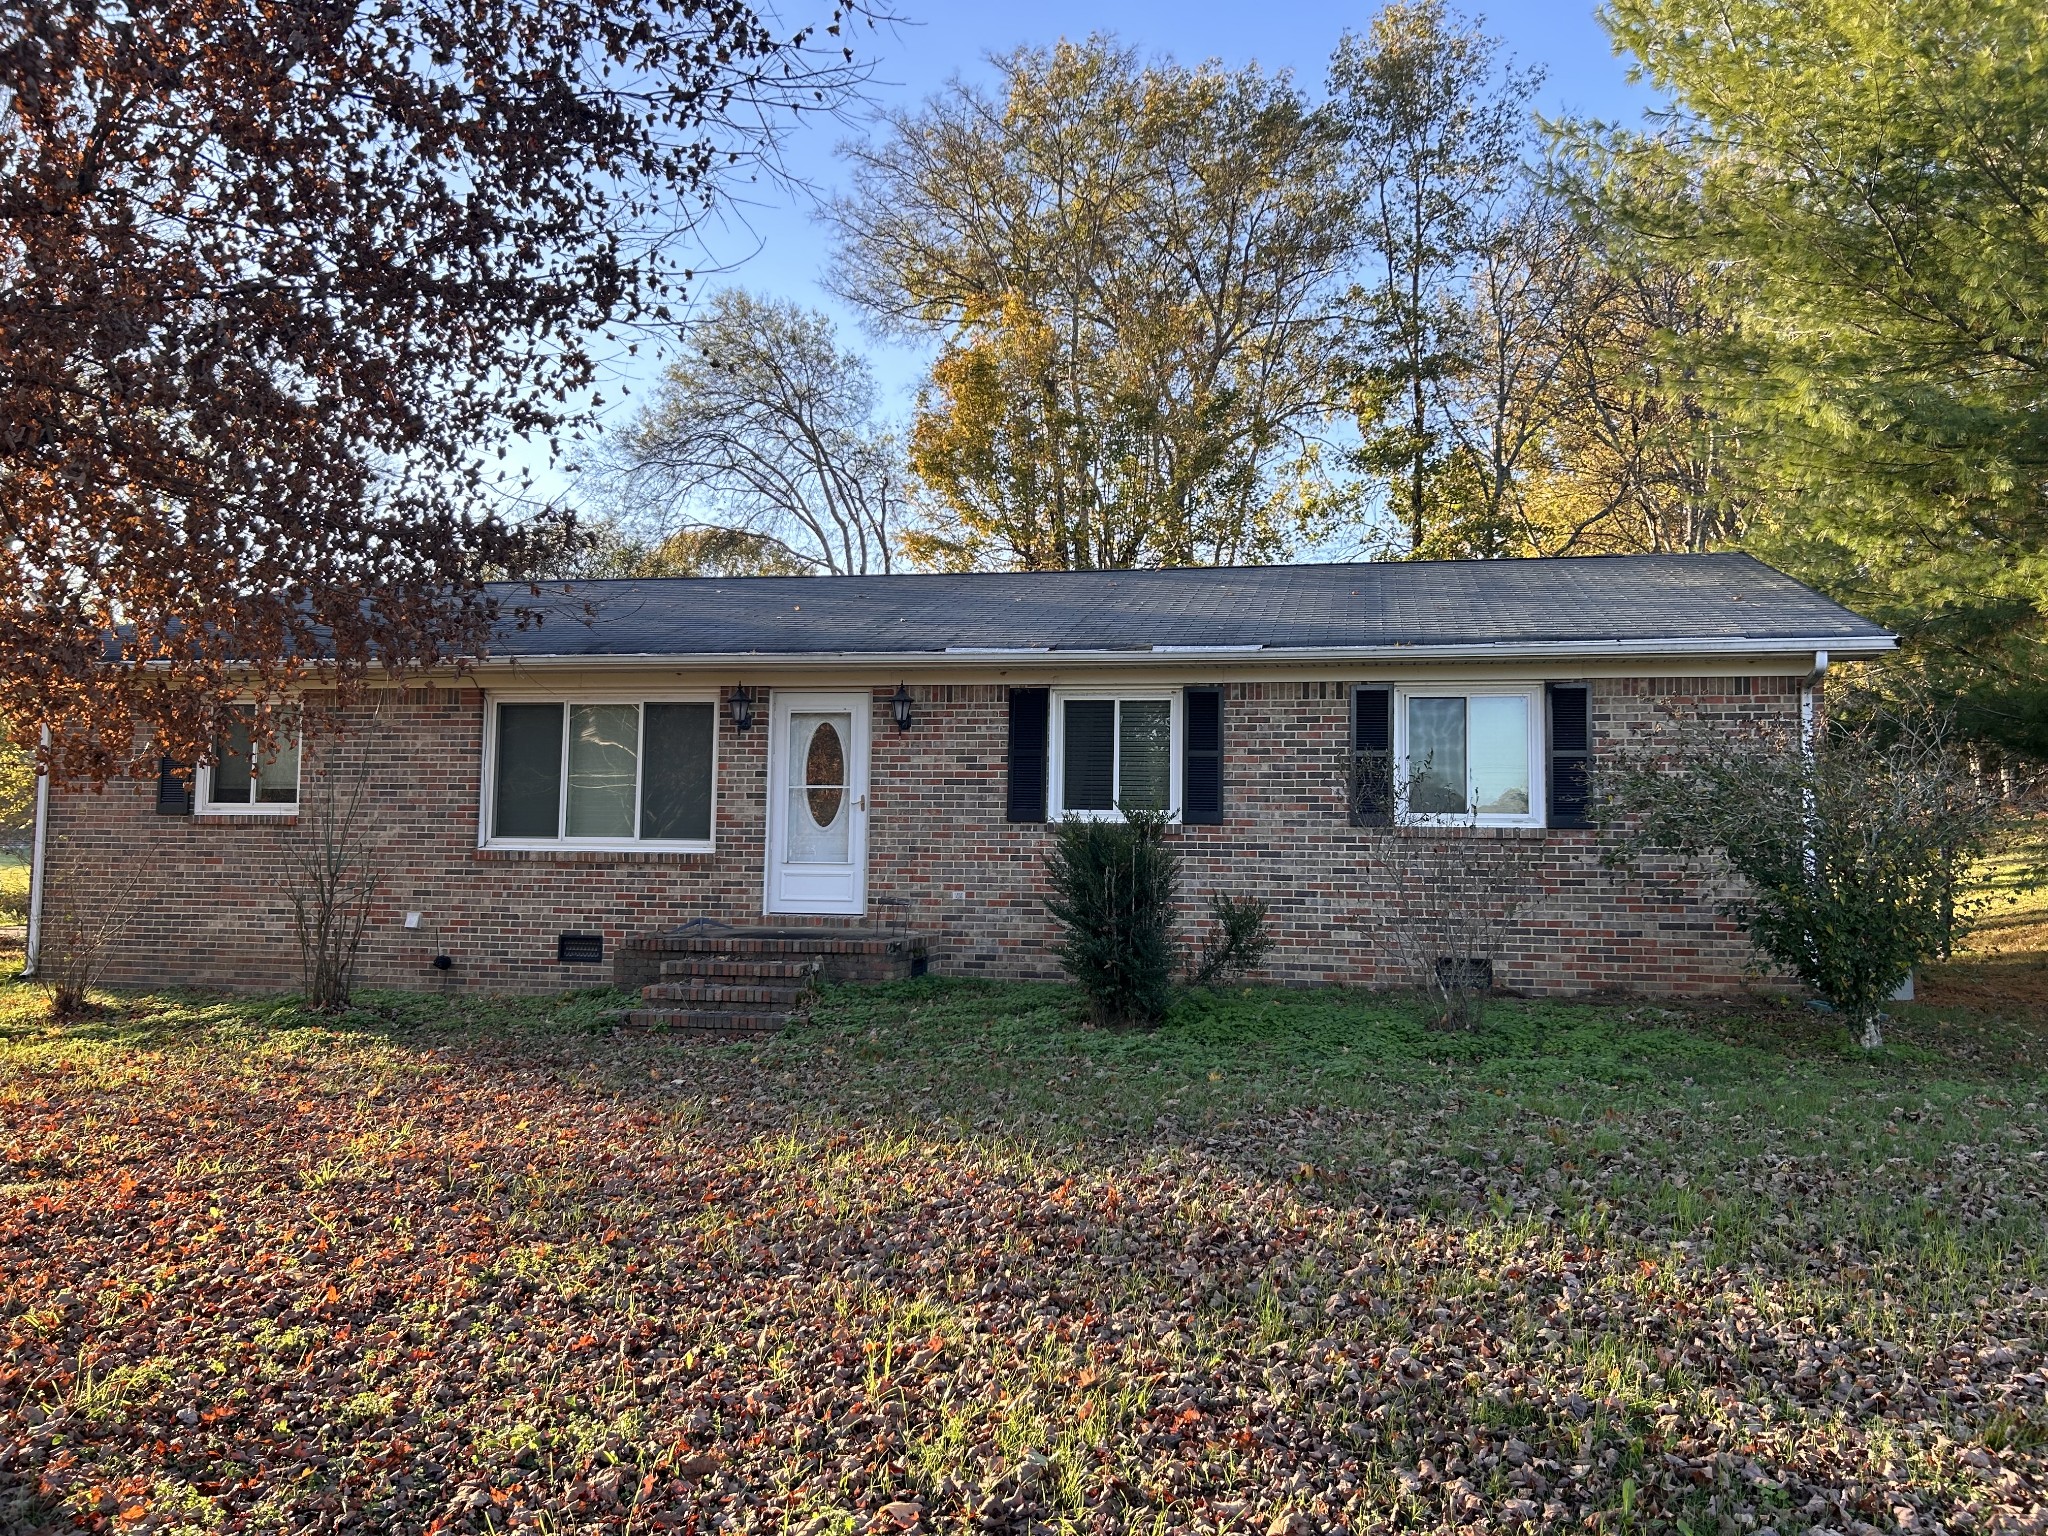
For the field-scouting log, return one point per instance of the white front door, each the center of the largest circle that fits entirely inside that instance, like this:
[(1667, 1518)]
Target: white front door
[(817, 802)]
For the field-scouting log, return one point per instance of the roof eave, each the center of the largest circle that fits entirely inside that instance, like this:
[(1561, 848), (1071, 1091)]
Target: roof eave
[(1839, 647)]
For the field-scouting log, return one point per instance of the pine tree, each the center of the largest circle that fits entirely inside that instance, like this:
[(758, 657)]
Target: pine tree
[(1866, 180)]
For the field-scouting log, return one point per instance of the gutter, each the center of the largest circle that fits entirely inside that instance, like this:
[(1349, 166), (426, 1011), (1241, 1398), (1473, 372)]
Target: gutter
[(1179, 656), (33, 944)]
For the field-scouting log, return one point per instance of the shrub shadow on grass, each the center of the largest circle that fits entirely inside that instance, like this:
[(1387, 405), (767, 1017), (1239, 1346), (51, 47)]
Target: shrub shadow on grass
[(1756, 1129), (1752, 1130)]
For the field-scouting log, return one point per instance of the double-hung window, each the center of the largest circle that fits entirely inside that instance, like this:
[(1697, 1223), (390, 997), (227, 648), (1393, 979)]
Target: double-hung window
[(251, 776), (603, 773), (1113, 752), (1471, 755)]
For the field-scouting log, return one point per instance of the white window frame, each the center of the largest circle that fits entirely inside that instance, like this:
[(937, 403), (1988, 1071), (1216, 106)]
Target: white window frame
[(487, 801), (1538, 764), (1056, 750), (205, 806)]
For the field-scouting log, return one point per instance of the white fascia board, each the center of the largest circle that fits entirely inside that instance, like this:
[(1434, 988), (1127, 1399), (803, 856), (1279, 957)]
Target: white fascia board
[(1492, 650)]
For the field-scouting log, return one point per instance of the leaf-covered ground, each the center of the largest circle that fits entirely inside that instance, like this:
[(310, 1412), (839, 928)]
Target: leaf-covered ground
[(944, 1259)]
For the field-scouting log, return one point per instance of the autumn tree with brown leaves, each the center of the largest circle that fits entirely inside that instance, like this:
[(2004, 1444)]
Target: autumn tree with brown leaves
[(276, 285)]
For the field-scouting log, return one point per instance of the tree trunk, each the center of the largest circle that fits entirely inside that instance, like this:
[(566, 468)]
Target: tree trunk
[(1415, 491), (1418, 347), (1873, 1032)]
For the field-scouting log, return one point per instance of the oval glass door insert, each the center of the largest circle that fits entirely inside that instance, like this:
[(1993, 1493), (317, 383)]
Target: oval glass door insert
[(825, 773), (819, 829)]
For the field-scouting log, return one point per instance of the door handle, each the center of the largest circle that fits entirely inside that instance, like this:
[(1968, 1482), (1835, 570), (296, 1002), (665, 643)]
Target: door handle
[(861, 804)]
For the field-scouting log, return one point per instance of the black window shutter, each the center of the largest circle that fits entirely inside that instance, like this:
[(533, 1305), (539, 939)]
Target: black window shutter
[(1201, 769), (173, 787), (1030, 710), (1571, 755), (1372, 757)]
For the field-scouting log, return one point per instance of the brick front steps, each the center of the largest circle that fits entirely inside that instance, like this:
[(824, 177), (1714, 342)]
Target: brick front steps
[(734, 983)]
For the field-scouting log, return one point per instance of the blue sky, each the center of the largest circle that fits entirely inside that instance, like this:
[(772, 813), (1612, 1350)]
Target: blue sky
[(773, 243)]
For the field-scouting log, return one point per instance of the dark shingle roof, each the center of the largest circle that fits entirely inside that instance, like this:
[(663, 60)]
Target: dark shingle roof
[(1626, 601)]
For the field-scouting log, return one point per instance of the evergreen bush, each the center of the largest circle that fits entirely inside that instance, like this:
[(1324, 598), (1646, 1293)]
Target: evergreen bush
[(1113, 889)]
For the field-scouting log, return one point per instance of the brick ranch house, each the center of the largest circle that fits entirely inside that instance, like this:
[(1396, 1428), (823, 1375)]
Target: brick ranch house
[(889, 753)]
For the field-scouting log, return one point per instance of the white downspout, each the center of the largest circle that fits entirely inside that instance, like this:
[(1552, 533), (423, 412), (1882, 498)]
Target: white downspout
[(33, 943), (1806, 726), (1806, 690)]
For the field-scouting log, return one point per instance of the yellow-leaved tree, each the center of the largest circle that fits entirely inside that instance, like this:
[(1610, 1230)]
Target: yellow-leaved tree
[(1134, 270)]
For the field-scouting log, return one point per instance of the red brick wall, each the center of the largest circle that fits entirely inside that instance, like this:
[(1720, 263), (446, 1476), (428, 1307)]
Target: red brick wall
[(213, 908)]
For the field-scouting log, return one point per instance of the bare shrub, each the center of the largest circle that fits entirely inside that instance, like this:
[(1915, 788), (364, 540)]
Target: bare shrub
[(1456, 897), (76, 935), (1456, 890), (1366, 780), (331, 876)]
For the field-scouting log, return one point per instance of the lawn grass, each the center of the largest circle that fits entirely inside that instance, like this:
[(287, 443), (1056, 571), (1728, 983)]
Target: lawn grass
[(1691, 1122), (14, 871), (2013, 889), (943, 1256), (2003, 963)]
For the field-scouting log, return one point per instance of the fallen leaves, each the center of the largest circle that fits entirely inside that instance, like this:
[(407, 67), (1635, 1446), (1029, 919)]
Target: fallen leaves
[(506, 1292)]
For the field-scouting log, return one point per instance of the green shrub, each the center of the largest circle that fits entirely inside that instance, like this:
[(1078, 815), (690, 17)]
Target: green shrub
[(1113, 889), (1852, 851), (1239, 944)]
